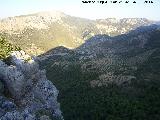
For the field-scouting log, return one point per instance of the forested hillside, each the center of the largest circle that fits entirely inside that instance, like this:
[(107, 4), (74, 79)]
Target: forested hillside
[(115, 79)]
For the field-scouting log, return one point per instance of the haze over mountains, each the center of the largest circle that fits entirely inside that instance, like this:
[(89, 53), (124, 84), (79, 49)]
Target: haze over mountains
[(46, 30)]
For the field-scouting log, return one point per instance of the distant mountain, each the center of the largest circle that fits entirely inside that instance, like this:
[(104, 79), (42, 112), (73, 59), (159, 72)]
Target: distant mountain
[(37, 33)]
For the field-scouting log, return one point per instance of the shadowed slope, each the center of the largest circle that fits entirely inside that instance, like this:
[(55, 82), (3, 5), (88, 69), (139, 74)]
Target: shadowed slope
[(109, 77)]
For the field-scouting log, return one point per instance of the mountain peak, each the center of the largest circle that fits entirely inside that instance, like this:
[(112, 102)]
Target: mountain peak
[(38, 20)]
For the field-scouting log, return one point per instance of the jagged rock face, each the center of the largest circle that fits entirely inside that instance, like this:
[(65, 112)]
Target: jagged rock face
[(28, 87)]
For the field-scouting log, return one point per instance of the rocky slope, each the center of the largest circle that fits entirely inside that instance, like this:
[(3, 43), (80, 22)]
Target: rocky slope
[(119, 57), (40, 32), (28, 94), (109, 77)]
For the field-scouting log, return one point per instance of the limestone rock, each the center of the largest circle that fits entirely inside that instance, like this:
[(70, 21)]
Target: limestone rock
[(12, 116), (44, 117), (29, 88)]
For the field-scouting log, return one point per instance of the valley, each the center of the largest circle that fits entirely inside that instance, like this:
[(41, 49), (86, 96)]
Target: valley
[(106, 69)]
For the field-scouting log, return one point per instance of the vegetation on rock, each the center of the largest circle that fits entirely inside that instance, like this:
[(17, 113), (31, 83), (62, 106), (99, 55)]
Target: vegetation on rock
[(6, 48)]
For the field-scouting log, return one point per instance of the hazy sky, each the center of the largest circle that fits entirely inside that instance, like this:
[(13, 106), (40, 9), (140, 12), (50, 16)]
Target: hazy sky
[(77, 8)]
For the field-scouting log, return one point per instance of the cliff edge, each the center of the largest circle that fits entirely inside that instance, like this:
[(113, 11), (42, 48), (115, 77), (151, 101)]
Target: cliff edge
[(28, 94)]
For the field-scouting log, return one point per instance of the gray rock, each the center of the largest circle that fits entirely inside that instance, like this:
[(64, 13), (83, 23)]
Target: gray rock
[(8, 105), (2, 112), (29, 87), (15, 115), (44, 117), (28, 116)]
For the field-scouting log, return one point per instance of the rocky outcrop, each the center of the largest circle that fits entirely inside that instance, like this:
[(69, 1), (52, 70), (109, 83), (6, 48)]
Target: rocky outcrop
[(110, 78), (30, 90)]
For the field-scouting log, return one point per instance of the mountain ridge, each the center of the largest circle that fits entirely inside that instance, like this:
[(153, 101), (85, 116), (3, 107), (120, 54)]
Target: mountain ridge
[(37, 33)]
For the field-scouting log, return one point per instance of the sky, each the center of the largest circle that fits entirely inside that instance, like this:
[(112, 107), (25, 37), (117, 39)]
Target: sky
[(9, 8)]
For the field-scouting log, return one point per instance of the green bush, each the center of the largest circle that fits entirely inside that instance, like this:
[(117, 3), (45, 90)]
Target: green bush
[(6, 48)]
